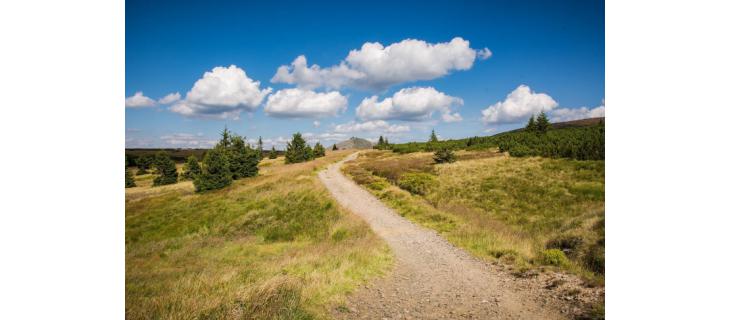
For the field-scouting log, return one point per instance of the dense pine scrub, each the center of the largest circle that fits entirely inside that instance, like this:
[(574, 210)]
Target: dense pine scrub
[(539, 138)]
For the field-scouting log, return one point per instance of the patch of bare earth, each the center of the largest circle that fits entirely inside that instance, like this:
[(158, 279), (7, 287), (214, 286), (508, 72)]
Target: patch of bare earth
[(432, 279)]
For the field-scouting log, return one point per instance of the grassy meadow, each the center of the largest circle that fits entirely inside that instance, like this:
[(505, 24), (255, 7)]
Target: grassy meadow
[(275, 246), (530, 213)]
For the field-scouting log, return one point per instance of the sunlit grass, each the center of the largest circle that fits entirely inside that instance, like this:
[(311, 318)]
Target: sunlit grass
[(497, 207), (269, 247)]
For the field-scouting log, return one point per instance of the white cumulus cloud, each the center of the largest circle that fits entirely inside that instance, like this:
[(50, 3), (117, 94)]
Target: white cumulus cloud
[(376, 67), (568, 114), (187, 140), (451, 117), (301, 103), (139, 100), (170, 98), (222, 93), (519, 105), (411, 104), (370, 126)]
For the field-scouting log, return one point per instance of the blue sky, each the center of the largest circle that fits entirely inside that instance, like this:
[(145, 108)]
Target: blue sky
[(432, 69)]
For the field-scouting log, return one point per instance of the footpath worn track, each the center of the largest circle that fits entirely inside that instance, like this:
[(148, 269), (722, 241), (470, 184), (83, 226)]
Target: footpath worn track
[(432, 279)]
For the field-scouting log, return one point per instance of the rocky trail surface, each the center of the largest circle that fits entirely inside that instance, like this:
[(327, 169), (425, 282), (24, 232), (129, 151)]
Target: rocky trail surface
[(432, 279)]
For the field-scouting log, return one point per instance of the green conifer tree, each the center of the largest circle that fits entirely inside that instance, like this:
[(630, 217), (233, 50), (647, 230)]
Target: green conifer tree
[(144, 163), (191, 169), (297, 150), (542, 124), (272, 153), (334, 147), (318, 150), (166, 170), (128, 178), (260, 148), (243, 160), (531, 125), (433, 136), (216, 173)]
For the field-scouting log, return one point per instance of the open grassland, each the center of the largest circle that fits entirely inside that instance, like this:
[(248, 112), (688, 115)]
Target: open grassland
[(527, 212), (270, 247)]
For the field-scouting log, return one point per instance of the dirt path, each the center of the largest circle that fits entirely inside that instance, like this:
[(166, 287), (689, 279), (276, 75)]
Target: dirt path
[(432, 279)]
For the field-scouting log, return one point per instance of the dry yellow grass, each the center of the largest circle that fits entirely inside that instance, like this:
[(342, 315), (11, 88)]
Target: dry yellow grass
[(270, 247), (494, 206)]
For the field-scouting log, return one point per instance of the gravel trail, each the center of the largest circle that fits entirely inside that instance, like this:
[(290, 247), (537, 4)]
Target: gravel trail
[(431, 279)]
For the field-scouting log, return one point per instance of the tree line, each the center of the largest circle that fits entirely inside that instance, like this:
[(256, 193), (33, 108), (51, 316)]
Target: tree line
[(232, 158), (537, 138)]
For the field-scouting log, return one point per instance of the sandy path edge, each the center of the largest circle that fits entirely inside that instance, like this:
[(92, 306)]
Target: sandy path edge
[(432, 279)]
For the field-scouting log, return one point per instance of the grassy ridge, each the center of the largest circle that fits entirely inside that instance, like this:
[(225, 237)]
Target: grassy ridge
[(526, 212), (583, 140), (269, 247)]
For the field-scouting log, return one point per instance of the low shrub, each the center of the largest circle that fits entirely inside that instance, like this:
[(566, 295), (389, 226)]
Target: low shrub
[(444, 155), (569, 244), (553, 257), (416, 182)]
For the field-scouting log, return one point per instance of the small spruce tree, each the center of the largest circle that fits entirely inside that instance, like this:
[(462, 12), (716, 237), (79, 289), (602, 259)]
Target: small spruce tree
[(444, 155), (243, 160), (272, 153), (531, 125), (128, 178), (297, 150), (216, 174), (144, 163), (166, 171), (433, 137), (260, 148), (318, 150), (334, 147), (191, 169), (542, 123), (225, 141)]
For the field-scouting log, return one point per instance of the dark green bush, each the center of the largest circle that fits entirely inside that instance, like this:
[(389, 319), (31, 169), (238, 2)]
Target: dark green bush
[(191, 169), (272, 153), (444, 155), (416, 182), (216, 173), (297, 150), (242, 159), (318, 150), (166, 170)]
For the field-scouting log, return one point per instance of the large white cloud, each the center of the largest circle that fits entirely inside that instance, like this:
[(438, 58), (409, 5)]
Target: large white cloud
[(222, 93), (519, 105), (568, 114), (370, 126), (139, 100), (411, 104), (301, 103), (376, 67)]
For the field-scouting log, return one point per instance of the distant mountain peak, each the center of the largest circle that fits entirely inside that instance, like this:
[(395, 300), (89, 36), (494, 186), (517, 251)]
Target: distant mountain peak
[(354, 143)]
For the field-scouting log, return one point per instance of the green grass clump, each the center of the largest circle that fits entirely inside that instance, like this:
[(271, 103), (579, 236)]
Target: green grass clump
[(554, 257)]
